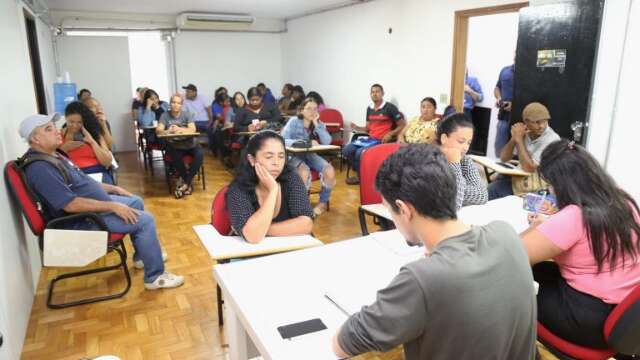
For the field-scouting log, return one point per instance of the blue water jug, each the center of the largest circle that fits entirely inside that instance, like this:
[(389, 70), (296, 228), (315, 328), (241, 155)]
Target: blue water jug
[(64, 93)]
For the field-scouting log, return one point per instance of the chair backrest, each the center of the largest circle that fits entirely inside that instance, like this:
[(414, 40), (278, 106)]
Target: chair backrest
[(622, 328), (14, 179), (332, 116), (370, 162), (219, 214)]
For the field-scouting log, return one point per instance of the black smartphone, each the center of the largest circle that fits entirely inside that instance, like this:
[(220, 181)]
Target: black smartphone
[(301, 328), (507, 165)]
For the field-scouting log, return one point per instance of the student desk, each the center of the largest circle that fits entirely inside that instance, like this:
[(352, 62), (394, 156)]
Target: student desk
[(173, 136), (224, 249), (313, 149), (495, 167), (265, 293)]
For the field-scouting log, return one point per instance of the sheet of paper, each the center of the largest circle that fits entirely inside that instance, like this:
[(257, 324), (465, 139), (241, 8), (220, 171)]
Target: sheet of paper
[(393, 241)]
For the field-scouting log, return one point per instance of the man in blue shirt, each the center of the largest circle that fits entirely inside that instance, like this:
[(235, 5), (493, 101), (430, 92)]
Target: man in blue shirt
[(472, 94), (504, 96), (63, 189), (197, 105)]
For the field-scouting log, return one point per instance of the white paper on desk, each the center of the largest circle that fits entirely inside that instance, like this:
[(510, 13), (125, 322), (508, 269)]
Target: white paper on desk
[(508, 209), (394, 241)]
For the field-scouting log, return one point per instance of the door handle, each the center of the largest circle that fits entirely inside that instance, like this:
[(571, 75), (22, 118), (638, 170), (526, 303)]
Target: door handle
[(577, 130)]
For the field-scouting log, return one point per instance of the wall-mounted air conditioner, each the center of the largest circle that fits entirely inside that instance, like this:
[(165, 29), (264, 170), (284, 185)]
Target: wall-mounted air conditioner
[(209, 21)]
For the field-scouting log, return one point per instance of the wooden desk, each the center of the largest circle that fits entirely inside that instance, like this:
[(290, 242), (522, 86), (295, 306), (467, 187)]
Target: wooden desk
[(173, 136), (315, 149), (491, 164)]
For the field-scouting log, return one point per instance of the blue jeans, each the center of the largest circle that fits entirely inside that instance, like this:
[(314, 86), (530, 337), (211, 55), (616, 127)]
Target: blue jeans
[(352, 153), (317, 163), (500, 187), (143, 235), (502, 134)]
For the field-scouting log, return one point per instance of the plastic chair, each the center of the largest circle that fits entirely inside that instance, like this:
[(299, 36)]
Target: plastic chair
[(370, 162), (621, 331), (333, 116), (32, 211)]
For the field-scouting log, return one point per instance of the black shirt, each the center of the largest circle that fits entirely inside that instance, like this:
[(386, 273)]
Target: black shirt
[(244, 117), (242, 204)]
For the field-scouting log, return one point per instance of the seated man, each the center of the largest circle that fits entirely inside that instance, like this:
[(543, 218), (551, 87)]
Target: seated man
[(64, 189), (528, 140), (384, 124), (474, 286)]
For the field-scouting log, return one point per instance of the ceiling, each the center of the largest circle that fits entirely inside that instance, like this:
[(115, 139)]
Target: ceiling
[(277, 9)]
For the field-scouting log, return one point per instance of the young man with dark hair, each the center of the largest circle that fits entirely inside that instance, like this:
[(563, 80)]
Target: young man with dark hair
[(470, 297), (384, 124)]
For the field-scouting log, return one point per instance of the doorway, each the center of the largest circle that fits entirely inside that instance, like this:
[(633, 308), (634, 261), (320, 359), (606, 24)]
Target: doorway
[(34, 56)]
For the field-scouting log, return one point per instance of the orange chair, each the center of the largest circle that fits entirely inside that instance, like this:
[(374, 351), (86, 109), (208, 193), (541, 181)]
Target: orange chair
[(621, 331), (370, 162), (32, 211)]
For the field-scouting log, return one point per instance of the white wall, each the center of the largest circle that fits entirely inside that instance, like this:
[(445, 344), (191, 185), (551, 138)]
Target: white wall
[(341, 53), (622, 156), (491, 45), (17, 101), (148, 62), (234, 60), (101, 64)]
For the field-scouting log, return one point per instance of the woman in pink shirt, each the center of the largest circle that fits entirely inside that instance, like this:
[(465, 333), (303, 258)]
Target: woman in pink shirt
[(593, 241)]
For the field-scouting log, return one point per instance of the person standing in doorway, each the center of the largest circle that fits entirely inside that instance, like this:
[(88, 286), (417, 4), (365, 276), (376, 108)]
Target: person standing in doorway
[(472, 94), (504, 96)]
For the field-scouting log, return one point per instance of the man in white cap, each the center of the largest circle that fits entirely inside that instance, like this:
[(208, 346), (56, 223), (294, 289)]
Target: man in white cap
[(64, 189)]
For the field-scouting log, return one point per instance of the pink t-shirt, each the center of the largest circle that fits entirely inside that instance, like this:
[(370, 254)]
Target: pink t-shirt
[(577, 264)]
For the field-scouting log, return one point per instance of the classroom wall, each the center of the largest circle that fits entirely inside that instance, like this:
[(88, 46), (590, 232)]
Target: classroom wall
[(490, 47), (235, 60), (101, 64), (17, 99), (352, 49)]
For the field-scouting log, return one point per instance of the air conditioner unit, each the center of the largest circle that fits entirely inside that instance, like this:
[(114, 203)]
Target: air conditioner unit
[(209, 21)]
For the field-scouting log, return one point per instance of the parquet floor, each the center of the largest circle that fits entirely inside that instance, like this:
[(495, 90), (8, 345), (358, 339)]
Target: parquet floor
[(161, 325)]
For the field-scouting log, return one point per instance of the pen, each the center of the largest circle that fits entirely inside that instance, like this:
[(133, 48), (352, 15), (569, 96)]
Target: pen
[(336, 305)]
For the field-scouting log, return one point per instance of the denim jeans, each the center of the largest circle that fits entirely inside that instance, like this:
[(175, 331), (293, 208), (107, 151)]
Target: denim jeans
[(503, 130), (317, 163), (353, 153), (143, 235), (500, 187)]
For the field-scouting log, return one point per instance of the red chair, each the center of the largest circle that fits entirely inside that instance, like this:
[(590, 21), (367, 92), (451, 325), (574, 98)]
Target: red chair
[(335, 126), (31, 208), (621, 331), (222, 223), (370, 162), (187, 159)]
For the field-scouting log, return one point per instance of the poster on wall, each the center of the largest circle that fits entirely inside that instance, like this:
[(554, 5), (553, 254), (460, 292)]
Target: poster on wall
[(555, 58)]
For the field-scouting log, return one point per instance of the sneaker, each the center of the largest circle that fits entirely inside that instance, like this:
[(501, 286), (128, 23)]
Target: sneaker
[(165, 281), (319, 209), (354, 180), (138, 264)]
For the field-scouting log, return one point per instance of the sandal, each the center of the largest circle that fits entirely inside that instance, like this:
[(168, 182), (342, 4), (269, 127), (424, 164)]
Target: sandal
[(181, 191), (188, 191)]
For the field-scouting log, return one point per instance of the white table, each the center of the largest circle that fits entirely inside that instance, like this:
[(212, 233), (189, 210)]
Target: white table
[(492, 164), (265, 293), (316, 149)]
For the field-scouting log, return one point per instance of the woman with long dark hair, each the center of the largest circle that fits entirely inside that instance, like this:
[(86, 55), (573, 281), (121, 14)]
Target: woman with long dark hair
[(593, 241), (454, 137), (152, 108), (84, 141), (267, 198)]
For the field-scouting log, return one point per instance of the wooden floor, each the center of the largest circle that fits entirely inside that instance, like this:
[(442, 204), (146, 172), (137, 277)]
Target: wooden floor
[(169, 324)]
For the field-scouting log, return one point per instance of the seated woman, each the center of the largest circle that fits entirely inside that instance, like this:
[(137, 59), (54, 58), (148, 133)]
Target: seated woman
[(319, 100), (257, 115), (237, 102), (421, 129), (176, 121), (308, 127), (83, 140), (454, 137), (213, 127), (267, 198), (297, 97), (94, 105), (152, 108), (593, 241)]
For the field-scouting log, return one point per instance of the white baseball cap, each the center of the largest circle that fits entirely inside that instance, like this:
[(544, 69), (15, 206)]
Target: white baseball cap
[(31, 122)]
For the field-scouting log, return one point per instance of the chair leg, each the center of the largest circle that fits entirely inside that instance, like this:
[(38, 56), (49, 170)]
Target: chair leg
[(204, 183), (363, 222), (220, 302), (167, 176), (122, 264)]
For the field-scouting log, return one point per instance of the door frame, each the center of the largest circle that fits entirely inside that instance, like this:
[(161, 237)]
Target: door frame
[(460, 36)]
